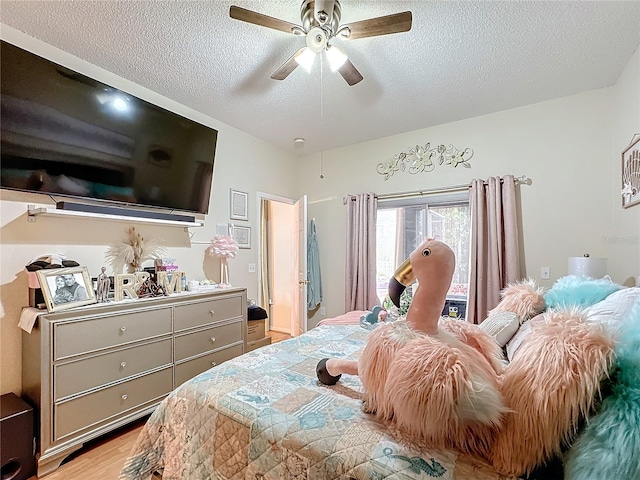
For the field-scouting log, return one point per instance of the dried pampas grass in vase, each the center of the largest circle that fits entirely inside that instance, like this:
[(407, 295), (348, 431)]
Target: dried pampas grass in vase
[(132, 252)]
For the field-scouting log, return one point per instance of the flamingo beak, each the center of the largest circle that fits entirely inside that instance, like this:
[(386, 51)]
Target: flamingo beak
[(402, 278)]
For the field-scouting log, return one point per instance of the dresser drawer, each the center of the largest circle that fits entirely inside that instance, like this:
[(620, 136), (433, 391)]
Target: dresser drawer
[(74, 338), (96, 407), (204, 340), (191, 368), (88, 373), (195, 314)]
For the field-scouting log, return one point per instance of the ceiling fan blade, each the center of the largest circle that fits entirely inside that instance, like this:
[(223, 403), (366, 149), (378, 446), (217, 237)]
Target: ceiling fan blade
[(287, 67), (256, 18), (350, 73), (395, 23)]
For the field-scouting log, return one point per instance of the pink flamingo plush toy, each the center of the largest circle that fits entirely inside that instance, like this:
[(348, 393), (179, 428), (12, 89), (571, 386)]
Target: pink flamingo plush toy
[(436, 382)]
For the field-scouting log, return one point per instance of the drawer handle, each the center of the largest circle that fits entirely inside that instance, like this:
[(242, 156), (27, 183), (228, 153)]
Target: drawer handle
[(213, 364), (213, 339), (124, 397), (212, 312), (123, 364), (123, 329)]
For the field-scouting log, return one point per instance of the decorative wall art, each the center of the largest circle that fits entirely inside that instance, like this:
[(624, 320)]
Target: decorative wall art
[(239, 205), (631, 173), (64, 288), (423, 159), (242, 235)]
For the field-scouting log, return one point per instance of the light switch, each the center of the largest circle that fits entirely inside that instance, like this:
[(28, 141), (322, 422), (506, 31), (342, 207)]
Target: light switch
[(544, 273)]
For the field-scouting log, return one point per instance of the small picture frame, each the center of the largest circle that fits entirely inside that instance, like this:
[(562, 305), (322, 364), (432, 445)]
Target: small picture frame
[(242, 235), (64, 288), (239, 205), (631, 173)]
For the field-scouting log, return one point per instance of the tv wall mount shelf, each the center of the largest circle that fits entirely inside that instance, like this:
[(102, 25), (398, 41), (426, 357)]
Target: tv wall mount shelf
[(108, 213)]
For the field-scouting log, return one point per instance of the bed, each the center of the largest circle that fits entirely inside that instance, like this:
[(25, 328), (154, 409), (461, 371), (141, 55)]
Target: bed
[(265, 416)]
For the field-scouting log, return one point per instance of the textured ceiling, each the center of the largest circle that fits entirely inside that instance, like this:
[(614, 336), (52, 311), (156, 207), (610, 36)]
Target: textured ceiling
[(460, 60)]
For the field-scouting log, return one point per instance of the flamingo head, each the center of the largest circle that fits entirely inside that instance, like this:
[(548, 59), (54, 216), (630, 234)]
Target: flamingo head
[(432, 263)]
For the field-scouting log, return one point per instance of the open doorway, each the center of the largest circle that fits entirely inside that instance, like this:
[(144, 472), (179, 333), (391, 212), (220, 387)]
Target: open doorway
[(280, 265)]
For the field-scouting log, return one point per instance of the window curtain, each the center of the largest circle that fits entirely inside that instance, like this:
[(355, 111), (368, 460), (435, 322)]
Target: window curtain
[(360, 280), (495, 252), (400, 238)]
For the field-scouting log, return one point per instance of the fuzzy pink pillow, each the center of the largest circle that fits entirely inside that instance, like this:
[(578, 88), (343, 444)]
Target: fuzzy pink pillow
[(550, 385)]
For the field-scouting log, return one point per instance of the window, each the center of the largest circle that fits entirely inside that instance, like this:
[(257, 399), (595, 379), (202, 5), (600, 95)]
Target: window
[(402, 225)]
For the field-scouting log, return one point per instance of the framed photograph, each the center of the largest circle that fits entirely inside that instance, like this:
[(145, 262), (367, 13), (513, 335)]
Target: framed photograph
[(239, 205), (631, 173), (64, 288), (242, 235)]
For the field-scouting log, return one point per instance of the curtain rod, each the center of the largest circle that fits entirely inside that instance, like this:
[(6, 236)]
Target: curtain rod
[(522, 179)]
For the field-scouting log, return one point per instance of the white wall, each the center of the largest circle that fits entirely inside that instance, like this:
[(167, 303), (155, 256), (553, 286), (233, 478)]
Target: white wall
[(242, 162), (569, 147)]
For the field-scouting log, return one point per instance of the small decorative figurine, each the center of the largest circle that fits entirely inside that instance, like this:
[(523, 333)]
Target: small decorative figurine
[(104, 283)]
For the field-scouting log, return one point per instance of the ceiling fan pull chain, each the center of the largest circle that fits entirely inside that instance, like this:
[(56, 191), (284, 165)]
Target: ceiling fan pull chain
[(321, 117)]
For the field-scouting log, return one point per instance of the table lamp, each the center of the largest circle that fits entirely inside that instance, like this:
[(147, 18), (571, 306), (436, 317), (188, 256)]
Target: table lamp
[(587, 266)]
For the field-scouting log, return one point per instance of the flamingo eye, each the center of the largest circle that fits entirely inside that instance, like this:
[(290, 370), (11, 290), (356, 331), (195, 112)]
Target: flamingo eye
[(426, 252)]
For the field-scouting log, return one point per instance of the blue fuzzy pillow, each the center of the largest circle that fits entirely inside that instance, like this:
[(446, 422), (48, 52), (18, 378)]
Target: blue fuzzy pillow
[(579, 291), (608, 447)]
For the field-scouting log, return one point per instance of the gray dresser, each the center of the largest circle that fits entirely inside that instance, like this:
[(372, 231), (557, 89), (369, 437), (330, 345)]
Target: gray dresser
[(93, 369)]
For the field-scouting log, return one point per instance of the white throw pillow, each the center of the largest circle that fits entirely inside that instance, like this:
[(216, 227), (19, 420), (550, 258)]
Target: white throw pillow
[(612, 311), (501, 326), (523, 332)]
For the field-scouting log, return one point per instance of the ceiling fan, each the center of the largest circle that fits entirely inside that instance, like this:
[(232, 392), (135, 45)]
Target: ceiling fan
[(321, 24)]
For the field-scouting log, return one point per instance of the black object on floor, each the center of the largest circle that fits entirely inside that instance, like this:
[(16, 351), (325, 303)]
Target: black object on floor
[(17, 440)]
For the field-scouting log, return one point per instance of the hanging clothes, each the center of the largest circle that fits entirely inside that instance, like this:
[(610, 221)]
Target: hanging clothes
[(314, 287)]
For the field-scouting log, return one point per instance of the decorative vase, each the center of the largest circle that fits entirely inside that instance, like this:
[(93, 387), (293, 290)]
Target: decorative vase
[(224, 271)]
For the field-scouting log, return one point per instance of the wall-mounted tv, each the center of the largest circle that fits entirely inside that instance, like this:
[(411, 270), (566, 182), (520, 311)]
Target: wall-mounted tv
[(65, 134)]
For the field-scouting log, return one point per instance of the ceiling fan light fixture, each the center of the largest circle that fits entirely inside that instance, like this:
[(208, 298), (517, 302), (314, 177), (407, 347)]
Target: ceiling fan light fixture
[(306, 58), (336, 57), (343, 32), (317, 39)]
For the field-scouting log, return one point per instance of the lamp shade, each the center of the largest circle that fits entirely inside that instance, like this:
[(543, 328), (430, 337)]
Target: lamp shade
[(587, 266)]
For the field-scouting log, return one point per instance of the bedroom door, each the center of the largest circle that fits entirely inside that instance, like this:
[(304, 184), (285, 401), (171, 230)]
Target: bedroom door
[(299, 320), (283, 244)]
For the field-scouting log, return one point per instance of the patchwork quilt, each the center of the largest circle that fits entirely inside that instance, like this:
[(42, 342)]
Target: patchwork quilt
[(264, 416)]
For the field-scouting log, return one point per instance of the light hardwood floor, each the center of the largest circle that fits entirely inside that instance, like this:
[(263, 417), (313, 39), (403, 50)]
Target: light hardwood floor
[(103, 458), (277, 336), (100, 459)]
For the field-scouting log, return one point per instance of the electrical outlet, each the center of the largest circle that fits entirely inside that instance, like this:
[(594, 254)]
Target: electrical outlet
[(544, 273), (252, 268), (322, 311)]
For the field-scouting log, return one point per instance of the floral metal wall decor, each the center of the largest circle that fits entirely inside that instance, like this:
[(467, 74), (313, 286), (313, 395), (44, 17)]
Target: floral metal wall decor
[(421, 159)]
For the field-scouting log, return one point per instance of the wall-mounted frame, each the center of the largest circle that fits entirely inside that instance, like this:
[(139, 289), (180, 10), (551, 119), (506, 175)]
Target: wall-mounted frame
[(238, 205), (242, 235), (631, 173), (64, 288)]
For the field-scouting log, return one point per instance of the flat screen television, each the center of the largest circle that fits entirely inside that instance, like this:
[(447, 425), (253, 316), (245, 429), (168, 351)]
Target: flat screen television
[(65, 134)]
